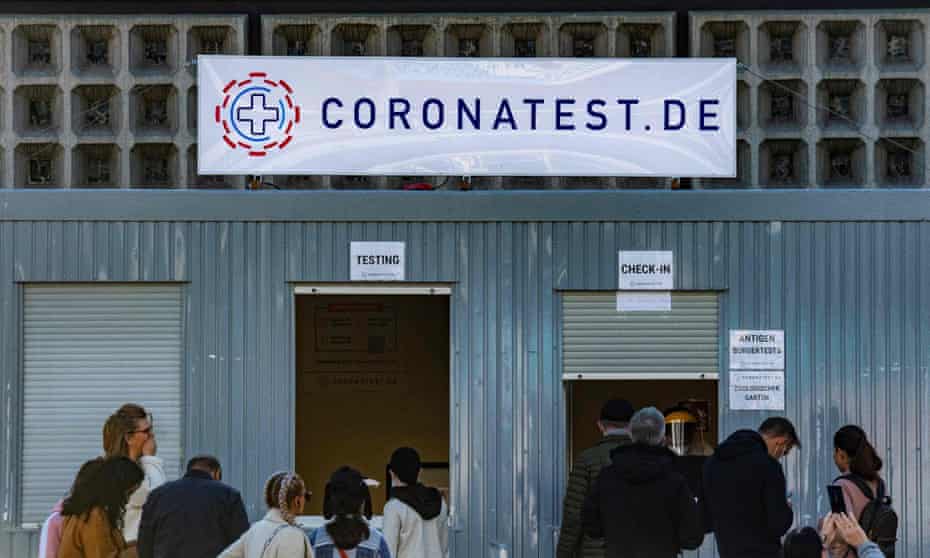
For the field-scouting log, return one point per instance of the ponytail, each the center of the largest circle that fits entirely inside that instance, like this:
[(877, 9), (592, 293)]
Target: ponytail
[(863, 459)]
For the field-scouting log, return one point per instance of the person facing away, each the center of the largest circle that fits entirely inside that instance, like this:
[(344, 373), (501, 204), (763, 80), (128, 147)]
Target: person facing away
[(639, 504), (129, 432), (745, 496), (276, 535), (858, 463), (845, 529), (50, 536), (196, 516), (93, 512), (613, 424), (803, 543), (415, 516), (347, 508)]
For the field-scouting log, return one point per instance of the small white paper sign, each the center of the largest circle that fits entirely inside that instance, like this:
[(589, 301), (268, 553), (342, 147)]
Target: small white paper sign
[(377, 261), (647, 271), (757, 391), (757, 349), (644, 302)]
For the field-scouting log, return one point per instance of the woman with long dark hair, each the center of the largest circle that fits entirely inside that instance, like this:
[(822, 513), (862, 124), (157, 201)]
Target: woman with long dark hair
[(859, 466), (94, 511), (347, 509)]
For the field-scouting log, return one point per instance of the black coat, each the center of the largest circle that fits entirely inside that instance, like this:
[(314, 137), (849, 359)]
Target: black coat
[(745, 498), (642, 506), (192, 517)]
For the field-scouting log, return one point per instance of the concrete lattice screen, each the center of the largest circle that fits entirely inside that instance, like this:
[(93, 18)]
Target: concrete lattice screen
[(824, 99)]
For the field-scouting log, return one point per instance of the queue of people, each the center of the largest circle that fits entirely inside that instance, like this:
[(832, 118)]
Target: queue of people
[(637, 501), (627, 497), (120, 506)]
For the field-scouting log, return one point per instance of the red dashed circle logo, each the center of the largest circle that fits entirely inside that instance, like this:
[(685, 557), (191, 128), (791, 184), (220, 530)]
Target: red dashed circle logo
[(258, 114)]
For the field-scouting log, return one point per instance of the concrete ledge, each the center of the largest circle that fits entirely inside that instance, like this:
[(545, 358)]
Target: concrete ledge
[(525, 206)]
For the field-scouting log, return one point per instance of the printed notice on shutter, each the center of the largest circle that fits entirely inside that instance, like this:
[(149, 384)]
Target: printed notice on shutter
[(644, 302), (646, 271), (757, 349), (757, 391)]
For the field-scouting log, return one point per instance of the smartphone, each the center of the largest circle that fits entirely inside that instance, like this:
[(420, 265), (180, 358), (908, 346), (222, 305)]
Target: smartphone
[(837, 503)]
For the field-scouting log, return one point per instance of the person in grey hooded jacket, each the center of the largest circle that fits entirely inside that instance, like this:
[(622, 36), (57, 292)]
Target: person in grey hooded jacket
[(415, 517)]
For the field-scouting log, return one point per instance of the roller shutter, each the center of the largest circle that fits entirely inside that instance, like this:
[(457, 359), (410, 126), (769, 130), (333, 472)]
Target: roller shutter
[(87, 350)]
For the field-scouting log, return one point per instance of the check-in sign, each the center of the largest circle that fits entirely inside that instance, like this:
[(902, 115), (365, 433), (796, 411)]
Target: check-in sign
[(448, 116), (647, 271)]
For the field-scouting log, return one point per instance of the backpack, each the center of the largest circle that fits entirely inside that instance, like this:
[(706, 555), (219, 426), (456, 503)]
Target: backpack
[(878, 519)]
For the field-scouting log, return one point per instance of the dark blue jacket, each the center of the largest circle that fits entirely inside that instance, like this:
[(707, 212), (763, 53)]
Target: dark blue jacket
[(192, 517), (745, 500)]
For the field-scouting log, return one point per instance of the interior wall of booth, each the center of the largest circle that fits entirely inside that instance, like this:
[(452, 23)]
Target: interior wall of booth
[(372, 375), (587, 397)]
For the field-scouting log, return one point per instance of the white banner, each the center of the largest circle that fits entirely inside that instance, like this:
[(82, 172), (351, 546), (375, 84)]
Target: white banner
[(466, 117)]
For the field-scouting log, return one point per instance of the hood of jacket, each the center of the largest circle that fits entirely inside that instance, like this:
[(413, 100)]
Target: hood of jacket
[(741, 443), (424, 500), (641, 464)]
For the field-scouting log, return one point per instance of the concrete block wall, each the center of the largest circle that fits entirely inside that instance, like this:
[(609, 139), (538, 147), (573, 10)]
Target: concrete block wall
[(83, 105), (605, 34), (860, 119)]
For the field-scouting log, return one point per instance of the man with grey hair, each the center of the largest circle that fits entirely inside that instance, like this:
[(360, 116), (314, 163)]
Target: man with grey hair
[(639, 504)]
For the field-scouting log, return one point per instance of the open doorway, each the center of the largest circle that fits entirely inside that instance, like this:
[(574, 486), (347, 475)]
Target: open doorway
[(698, 397), (372, 375)]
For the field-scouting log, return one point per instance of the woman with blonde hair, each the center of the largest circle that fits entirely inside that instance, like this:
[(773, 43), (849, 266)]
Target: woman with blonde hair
[(277, 534), (128, 432)]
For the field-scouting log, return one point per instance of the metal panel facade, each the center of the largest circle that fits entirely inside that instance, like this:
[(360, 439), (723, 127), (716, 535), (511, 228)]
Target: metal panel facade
[(850, 295)]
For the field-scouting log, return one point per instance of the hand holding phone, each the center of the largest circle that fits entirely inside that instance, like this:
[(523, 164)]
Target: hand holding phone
[(837, 502)]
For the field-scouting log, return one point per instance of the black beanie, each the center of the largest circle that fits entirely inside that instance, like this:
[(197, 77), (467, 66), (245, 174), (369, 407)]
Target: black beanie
[(405, 463), (617, 410)]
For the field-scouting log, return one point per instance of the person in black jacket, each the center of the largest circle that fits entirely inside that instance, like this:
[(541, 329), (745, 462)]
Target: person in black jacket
[(639, 504), (745, 497), (196, 516)]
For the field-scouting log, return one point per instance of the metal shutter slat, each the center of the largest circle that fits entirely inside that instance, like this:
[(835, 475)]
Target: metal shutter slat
[(86, 350), (596, 339)]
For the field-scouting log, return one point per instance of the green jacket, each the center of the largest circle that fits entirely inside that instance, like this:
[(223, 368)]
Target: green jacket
[(572, 541)]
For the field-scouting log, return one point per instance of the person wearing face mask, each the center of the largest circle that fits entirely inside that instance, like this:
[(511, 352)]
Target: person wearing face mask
[(745, 498)]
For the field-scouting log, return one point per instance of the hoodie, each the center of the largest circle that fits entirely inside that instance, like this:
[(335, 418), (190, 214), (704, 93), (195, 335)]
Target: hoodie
[(415, 523), (745, 498), (642, 507), (50, 537)]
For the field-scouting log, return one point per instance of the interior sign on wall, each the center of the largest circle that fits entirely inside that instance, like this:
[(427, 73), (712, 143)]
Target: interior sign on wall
[(647, 271), (752, 390), (377, 261), (757, 349)]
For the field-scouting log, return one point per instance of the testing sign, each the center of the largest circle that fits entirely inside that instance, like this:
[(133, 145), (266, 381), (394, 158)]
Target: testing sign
[(466, 117)]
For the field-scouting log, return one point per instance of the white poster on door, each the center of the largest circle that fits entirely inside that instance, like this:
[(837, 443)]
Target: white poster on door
[(757, 349), (376, 261), (646, 270), (752, 390)]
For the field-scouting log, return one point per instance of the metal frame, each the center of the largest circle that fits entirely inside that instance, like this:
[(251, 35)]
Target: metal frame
[(567, 377), (385, 289)]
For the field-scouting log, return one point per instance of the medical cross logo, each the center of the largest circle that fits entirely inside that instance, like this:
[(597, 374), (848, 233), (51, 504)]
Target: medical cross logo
[(257, 114)]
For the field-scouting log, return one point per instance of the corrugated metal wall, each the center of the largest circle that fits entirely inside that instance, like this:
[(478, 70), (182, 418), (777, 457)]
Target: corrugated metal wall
[(850, 296)]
